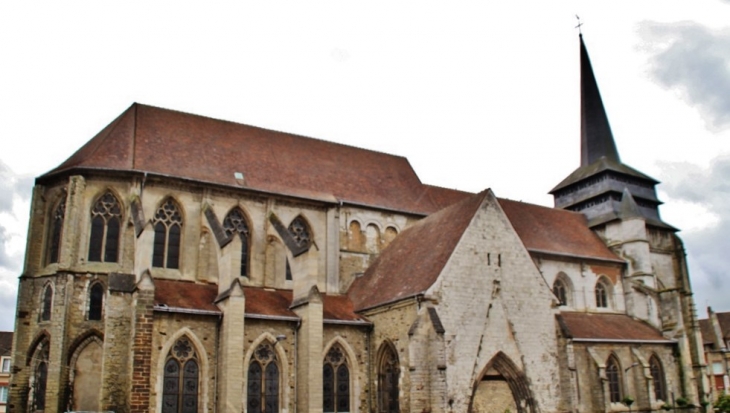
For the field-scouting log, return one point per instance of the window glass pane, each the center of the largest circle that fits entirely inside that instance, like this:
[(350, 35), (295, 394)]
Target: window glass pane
[(97, 233), (96, 301), (3, 394), (47, 304), (6, 365), (254, 388), (40, 387), (271, 390), (343, 389), (158, 248), (717, 368), (112, 240), (173, 247), (328, 391)]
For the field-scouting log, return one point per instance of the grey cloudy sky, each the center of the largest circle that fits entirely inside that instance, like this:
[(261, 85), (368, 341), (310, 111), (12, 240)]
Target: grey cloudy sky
[(475, 94)]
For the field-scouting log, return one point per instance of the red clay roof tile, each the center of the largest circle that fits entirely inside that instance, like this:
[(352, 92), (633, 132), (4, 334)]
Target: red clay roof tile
[(415, 258), (170, 143), (186, 295), (608, 327), (555, 231)]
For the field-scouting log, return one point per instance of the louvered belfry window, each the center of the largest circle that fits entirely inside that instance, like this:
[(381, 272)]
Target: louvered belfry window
[(235, 224), (106, 219), (168, 229), (263, 381), (336, 378), (180, 384)]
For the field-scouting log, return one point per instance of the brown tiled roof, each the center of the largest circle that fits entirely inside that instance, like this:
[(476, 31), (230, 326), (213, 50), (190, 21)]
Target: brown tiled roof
[(608, 327), (443, 197), (6, 343), (186, 295), (259, 301), (170, 143), (555, 231), (706, 330), (415, 258), (724, 320)]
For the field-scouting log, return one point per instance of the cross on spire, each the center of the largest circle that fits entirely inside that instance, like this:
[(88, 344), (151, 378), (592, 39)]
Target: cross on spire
[(578, 26)]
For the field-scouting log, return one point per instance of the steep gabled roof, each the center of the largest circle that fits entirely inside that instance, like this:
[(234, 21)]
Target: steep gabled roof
[(416, 257), (607, 327), (165, 142), (555, 231)]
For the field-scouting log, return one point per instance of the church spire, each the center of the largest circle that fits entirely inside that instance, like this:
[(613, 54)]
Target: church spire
[(596, 137)]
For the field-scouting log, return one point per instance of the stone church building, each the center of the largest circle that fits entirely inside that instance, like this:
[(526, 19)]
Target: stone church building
[(182, 264)]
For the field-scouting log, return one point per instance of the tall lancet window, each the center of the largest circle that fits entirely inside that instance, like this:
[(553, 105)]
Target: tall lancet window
[(106, 219), (613, 374), (657, 377), (235, 224), (336, 378), (263, 381), (54, 241), (388, 375), (180, 385), (168, 228)]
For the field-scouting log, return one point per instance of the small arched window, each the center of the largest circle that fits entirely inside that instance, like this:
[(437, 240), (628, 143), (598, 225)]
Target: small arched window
[(657, 377), (106, 219), (96, 301), (388, 375), (54, 241), (336, 379), (300, 232), (181, 380), (263, 381), (235, 224), (613, 374), (601, 295), (560, 291), (47, 303), (168, 228)]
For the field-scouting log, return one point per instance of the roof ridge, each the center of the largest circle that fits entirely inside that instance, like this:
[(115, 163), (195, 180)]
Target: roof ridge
[(270, 130)]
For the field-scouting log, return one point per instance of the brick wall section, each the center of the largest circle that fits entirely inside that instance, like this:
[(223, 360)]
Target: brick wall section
[(142, 347)]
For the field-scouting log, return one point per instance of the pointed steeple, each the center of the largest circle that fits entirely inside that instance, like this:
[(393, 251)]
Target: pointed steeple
[(596, 137), (602, 187)]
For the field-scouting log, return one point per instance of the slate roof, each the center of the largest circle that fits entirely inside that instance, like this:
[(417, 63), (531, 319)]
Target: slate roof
[(415, 258), (6, 343), (607, 327), (556, 231), (184, 295), (169, 143)]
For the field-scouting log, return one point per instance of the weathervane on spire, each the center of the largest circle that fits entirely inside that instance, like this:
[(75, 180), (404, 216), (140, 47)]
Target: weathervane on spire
[(580, 32)]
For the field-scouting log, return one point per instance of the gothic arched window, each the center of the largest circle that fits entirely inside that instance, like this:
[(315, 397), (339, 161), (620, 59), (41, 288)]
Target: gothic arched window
[(657, 377), (560, 291), (180, 385), (47, 303), (168, 228), (263, 381), (601, 295), (39, 380), (388, 374), (106, 219), (613, 374), (235, 224), (54, 241), (96, 301), (336, 379), (300, 232)]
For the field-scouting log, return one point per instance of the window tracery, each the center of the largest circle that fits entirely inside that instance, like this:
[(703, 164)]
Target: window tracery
[(336, 380), (613, 374), (601, 295), (388, 375), (54, 245), (168, 227), (300, 233), (181, 380), (235, 224), (657, 377), (106, 219), (560, 291), (39, 379), (263, 380)]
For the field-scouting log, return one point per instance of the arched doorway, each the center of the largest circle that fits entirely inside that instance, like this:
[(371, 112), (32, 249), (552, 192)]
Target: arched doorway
[(502, 387)]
